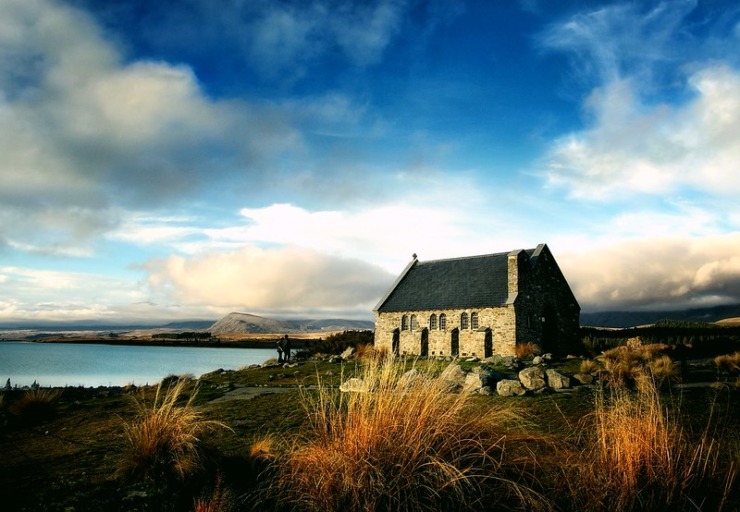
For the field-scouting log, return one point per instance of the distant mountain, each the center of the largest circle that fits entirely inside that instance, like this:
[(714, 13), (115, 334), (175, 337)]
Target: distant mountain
[(248, 323), (634, 318), (194, 325)]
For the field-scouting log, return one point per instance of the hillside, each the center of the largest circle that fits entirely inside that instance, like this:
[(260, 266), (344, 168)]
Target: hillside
[(635, 318), (248, 323)]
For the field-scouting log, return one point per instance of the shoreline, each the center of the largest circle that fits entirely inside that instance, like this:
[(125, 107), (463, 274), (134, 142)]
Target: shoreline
[(297, 343)]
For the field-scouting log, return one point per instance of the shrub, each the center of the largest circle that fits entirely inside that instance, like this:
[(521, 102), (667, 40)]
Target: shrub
[(528, 349), (35, 405), (588, 366), (728, 363), (165, 439), (640, 458), (405, 444)]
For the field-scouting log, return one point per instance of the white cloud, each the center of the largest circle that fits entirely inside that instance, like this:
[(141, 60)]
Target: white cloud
[(82, 133), (667, 272), (654, 149), (285, 280)]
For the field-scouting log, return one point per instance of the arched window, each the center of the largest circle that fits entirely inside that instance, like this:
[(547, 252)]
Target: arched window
[(404, 323), (413, 322), (432, 322), (464, 321), (473, 320), (442, 322)]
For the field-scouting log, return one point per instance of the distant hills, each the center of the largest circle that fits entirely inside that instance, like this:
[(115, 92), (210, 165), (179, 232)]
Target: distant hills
[(635, 318), (248, 323)]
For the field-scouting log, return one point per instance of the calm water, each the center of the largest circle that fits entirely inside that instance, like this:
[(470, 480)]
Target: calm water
[(68, 364)]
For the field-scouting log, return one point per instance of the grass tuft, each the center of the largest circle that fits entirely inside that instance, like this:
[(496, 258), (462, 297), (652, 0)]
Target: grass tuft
[(405, 444), (525, 350), (640, 458), (35, 405), (165, 439)]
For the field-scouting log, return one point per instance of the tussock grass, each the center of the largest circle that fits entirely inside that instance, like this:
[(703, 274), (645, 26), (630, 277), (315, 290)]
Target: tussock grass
[(524, 350), (640, 458), (35, 405), (219, 500), (588, 366), (165, 439), (405, 444), (728, 363)]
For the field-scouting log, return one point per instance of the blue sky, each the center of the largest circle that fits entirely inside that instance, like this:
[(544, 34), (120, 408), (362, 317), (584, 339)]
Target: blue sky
[(181, 160)]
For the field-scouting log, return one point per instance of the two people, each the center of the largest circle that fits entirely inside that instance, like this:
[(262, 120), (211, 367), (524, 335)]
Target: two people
[(283, 349)]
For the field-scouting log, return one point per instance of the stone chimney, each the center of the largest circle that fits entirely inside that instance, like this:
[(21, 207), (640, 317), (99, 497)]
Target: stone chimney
[(514, 273)]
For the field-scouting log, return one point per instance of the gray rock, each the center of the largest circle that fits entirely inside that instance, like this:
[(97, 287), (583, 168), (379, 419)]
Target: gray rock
[(557, 380), (473, 382), (548, 358), (537, 360), (335, 359), (533, 377), (486, 390), (354, 385), (454, 374), (510, 387)]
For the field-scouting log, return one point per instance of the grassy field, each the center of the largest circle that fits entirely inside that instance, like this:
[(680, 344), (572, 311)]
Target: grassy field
[(299, 444)]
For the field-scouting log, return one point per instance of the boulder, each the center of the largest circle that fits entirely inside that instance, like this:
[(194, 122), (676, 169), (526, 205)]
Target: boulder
[(548, 358), (454, 374), (488, 375), (354, 385), (473, 382), (537, 360), (533, 378), (557, 380), (510, 387), (486, 390)]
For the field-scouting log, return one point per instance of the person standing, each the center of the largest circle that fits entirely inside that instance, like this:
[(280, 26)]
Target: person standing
[(286, 348)]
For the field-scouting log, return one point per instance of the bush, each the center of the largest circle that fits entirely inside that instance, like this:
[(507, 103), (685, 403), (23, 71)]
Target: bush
[(525, 350), (337, 343), (165, 439), (404, 445)]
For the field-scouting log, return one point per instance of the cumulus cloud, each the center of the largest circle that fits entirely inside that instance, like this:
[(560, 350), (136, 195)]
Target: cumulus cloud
[(660, 273), (84, 133), (637, 148), (285, 280), (631, 143)]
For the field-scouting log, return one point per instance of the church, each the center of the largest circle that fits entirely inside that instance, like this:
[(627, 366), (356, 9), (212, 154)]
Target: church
[(479, 306)]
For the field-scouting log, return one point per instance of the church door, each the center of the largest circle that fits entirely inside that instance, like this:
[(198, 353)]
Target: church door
[(396, 342), (455, 343), (488, 344), (424, 343)]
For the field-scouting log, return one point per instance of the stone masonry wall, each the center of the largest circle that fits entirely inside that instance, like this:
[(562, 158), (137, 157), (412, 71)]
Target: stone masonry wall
[(500, 320)]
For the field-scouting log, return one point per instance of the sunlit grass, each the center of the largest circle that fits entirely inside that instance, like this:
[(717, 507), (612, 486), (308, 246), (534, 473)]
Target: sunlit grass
[(405, 444), (166, 437)]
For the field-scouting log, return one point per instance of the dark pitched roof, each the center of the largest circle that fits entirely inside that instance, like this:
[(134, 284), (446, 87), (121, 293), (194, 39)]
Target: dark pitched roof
[(471, 282)]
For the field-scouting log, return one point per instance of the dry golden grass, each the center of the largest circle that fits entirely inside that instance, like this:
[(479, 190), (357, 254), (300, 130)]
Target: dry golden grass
[(588, 366), (165, 439), (728, 363), (405, 444), (625, 366), (663, 369), (640, 458), (528, 349), (220, 500)]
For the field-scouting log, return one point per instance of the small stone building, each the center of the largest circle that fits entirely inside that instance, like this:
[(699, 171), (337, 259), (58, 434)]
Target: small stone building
[(479, 306)]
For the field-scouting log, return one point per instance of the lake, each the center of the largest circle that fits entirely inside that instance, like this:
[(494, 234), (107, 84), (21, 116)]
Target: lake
[(70, 364)]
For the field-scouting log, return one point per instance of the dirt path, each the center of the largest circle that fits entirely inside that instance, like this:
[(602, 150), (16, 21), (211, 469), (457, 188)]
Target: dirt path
[(249, 392)]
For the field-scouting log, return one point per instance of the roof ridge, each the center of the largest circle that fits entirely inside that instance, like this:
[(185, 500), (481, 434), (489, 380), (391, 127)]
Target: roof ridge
[(457, 258)]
